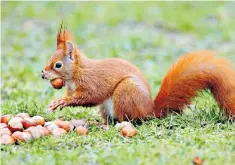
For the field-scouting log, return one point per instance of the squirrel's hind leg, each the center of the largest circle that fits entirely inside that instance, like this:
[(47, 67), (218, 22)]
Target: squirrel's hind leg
[(132, 100)]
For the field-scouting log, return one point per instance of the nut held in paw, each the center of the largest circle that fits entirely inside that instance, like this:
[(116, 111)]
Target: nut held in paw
[(57, 83)]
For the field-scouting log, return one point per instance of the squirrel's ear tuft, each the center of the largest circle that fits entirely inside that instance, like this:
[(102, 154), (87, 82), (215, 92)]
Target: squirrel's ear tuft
[(63, 37), (69, 49)]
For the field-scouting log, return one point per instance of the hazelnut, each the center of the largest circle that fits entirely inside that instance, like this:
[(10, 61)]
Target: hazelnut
[(57, 83), (3, 125), (22, 136), (7, 139), (28, 122), (51, 127), (77, 123), (26, 136), (123, 124), (128, 131), (23, 115), (45, 131), (48, 123), (81, 130), (15, 124), (59, 132), (17, 136), (35, 132), (5, 131), (5, 118), (197, 161), (39, 120), (63, 124)]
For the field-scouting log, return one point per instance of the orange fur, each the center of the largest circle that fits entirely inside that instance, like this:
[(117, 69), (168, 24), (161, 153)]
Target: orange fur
[(121, 89), (63, 36), (192, 72)]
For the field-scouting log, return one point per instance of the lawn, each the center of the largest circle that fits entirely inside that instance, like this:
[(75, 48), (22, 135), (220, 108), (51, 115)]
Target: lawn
[(151, 35)]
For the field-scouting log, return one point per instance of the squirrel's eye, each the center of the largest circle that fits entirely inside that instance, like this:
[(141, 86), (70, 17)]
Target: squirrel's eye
[(58, 65)]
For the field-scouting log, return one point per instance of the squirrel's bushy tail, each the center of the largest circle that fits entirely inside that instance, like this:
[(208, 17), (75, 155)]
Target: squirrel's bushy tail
[(191, 73)]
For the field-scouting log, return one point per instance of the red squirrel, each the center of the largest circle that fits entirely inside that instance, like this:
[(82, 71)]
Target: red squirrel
[(123, 93)]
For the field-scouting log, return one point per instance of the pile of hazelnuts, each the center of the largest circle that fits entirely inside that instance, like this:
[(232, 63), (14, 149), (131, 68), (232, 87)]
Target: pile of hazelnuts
[(22, 127)]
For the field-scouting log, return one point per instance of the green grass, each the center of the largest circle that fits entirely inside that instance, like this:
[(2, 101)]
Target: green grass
[(149, 34)]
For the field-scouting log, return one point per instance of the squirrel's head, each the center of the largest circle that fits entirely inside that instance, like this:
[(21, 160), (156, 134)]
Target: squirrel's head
[(65, 58)]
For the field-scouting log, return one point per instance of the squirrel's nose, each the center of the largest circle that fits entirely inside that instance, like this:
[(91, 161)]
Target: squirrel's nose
[(43, 74)]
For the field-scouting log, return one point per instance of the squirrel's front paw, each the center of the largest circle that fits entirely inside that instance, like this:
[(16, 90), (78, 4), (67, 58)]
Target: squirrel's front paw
[(61, 103)]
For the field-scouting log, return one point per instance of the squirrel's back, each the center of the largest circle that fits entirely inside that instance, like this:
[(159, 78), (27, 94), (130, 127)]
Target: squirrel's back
[(101, 77), (118, 69)]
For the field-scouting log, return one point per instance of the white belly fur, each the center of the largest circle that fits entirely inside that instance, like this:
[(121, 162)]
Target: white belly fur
[(71, 85), (108, 107)]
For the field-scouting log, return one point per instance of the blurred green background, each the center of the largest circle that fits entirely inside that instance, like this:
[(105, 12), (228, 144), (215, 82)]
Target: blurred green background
[(149, 34), (152, 35)]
